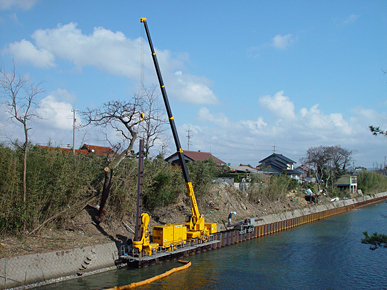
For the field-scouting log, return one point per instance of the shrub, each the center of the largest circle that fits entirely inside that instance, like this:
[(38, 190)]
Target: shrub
[(162, 184), (202, 173)]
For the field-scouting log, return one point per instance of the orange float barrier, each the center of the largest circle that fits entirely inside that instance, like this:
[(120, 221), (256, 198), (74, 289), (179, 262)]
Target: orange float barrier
[(150, 280)]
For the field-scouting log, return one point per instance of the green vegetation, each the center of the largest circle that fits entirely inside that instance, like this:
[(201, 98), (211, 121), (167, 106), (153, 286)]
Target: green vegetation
[(375, 240), (162, 184), (273, 187), (371, 182), (55, 180), (59, 185), (201, 174)]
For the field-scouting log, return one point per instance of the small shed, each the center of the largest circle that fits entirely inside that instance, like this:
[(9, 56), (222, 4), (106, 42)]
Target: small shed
[(348, 181)]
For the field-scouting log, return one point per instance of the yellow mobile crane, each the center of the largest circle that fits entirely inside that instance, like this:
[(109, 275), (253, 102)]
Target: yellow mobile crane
[(195, 224)]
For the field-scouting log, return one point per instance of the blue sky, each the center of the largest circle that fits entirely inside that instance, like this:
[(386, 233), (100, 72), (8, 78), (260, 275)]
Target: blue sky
[(242, 76)]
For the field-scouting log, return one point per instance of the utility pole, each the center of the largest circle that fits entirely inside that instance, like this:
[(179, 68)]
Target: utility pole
[(189, 137), (74, 120), (274, 148)]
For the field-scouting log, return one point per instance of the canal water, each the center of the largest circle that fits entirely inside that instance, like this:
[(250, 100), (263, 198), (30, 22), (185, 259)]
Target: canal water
[(327, 254)]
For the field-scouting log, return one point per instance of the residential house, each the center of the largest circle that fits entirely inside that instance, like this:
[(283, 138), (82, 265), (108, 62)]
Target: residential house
[(67, 150), (99, 150), (242, 168), (303, 170), (194, 156), (85, 150), (347, 181), (278, 164)]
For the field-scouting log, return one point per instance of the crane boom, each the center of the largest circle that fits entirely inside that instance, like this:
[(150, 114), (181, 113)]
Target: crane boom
[(196, 222)]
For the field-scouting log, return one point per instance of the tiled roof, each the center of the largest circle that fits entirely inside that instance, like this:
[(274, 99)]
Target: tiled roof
[(278, 157), (277, 163), (85, 150), (243, 168), (198, 156), (99, 150), (68, 150), (247, 165)]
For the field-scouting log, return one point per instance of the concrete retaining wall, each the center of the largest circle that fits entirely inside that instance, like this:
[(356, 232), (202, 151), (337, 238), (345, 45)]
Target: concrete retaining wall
[(67, 264), (38, 269)]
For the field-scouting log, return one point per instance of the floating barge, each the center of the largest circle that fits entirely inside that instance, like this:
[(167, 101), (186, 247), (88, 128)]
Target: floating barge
[(184, 250)]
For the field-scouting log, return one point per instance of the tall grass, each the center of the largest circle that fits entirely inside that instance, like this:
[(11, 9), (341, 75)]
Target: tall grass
[(57, 181), (371, 182)]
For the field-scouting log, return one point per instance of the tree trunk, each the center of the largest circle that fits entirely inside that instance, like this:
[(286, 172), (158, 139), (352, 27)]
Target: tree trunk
[(25, 147), (105, 194), (108, 180), (317, 181)]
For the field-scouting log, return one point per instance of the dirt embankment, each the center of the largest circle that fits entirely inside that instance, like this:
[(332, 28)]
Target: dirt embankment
[(215, 206)]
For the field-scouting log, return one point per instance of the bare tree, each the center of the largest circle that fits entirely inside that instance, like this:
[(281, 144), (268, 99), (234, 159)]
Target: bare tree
[(328, 162), (341, 158), (123, 117), (316, 159), (154, 123), (20, 99)]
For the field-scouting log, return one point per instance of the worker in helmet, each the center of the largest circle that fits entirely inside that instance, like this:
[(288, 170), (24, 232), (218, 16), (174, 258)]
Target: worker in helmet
[(230, 216)]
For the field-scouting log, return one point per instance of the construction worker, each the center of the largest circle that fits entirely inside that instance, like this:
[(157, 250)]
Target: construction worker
[(230, 216)]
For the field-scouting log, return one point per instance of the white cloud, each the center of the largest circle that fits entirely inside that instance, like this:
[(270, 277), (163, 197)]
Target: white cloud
[(313, 119), (233, 141), (25, 51), (282, 42), (254, 126), (55, 114), (367, 113), (192, 89), (113, 53), (279, 105), (220, 119), (23, 4), (249, 140), (64, 95)]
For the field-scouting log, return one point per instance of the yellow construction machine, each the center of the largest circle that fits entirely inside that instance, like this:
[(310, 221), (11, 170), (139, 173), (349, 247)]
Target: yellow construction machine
[(144, 246), (170, 236)]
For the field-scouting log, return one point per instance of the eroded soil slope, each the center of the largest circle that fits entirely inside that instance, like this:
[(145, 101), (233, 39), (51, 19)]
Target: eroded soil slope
[(82, 231)]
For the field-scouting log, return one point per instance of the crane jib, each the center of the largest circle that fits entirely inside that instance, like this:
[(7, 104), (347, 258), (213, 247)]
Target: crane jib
[(167, 106)]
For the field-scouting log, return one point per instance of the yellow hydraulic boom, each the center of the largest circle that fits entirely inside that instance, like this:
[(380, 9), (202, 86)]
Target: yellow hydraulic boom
[(197, 228), (143, 245)]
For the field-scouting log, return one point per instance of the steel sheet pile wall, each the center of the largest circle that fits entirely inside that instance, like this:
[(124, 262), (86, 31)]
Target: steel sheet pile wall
[(281, 221)]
